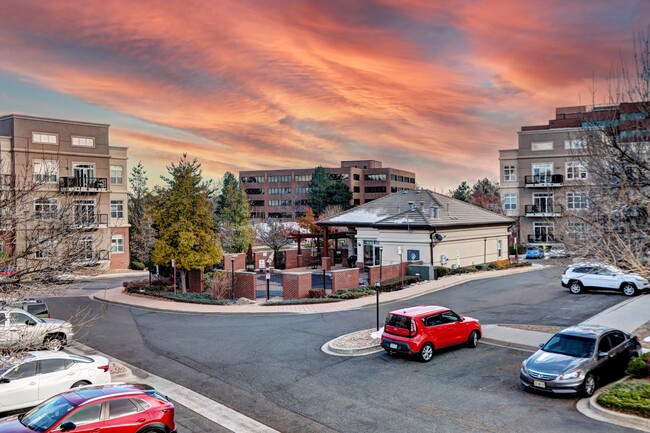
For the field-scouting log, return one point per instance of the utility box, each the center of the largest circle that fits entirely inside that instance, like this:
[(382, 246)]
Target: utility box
[(425, 271)]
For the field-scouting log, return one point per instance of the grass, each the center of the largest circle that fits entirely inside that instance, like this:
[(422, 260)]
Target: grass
[(631, 397)]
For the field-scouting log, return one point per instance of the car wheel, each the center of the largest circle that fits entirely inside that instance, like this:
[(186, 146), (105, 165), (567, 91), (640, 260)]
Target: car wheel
[(427, 352), (151, 430), (629, 289), (589, 385), (472, 341), (54, 343), (80, 383), (575, 287)]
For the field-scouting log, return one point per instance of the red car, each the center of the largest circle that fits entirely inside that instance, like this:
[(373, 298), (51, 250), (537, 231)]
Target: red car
[(422, 329), (114, 408)]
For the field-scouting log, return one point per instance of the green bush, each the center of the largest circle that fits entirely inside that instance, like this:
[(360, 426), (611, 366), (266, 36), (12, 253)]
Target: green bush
[(627, 397), (395, 284), (138, 266), (441, 271), (639, 367), (357, 292), (317, 293), (457, 271), (301, 301), (520, 265)]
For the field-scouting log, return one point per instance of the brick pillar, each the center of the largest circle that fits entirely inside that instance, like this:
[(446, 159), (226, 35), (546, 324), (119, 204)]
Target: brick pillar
[(326, 263), (345, 279), (296, 285), (245, 285)]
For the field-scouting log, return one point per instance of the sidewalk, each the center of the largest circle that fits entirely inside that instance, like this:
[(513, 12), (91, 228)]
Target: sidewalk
[(117, 296)]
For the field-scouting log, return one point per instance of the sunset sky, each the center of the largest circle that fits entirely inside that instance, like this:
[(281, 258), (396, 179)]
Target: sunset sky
[(436, 87)]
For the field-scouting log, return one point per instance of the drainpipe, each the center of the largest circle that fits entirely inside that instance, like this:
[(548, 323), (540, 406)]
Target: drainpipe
[(431, 245)]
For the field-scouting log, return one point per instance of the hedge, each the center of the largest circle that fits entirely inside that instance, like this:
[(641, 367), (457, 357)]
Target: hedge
[(639, 367), (301, 301), (627, 397), (357, 292)]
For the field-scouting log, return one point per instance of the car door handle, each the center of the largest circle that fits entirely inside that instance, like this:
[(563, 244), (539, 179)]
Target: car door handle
[(141, 420), (95, 430), (72, 373), (32, 383)]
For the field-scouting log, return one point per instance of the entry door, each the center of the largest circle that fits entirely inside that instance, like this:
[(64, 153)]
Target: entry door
[(371, 253), (542, 172), (543, 201), (84, 212), (84, 173), (86, 248)]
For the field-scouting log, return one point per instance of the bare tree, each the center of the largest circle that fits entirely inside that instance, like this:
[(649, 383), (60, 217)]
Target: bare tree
[(609, 208), (275, 236)]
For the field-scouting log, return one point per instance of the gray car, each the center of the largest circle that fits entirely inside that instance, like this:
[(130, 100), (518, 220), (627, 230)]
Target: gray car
[(579, 358)]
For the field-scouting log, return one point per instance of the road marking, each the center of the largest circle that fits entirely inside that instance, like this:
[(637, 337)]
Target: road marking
[(210, 409)]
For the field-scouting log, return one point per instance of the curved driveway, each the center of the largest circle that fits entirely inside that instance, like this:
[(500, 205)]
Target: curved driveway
[(270, 367)]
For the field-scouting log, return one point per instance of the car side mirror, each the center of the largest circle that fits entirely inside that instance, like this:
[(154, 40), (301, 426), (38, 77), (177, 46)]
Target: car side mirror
[(540, 345), (462, 319), (68, 426), (4, 380), (30, 322), (602, 355)]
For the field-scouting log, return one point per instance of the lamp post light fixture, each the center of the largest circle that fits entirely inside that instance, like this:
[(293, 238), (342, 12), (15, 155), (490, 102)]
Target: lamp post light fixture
[(378, 283), (232, 267)]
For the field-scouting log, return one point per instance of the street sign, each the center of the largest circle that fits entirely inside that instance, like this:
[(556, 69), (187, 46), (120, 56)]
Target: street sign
[(268, 275), (399, 250), (262, 264), (173, 263)]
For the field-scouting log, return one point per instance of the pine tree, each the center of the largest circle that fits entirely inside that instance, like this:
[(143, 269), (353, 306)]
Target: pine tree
[(233, 216)]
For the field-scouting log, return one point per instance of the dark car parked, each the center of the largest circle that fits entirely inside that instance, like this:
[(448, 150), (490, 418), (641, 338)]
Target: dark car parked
[(578, 359)]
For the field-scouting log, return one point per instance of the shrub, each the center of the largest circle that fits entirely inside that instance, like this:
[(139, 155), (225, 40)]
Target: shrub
[(395, 284), (456, 271), (301, 301), (441, 271), (135, 286), (627, 397), (219, 285), (138, 266), (520, 264), (317, 293), (639, 367), (358, 292)]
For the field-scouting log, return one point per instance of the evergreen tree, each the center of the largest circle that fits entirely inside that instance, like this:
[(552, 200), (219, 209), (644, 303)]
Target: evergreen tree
[(183, 217), (233, 216), (324, 191), (141, 233), (462, 192)]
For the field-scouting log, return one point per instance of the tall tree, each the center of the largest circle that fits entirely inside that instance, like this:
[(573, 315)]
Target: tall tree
[(141, 233), (486, 194), (462, 192), (325, 191), (183, 217), (233, 216)]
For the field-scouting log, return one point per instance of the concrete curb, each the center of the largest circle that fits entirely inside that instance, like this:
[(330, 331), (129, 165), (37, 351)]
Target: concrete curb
[(590, 408), (509, 344), (362, 351)]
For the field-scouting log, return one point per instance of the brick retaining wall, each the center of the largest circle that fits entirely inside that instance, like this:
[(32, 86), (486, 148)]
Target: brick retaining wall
[(245, 285), (296, 285), (343, 279)]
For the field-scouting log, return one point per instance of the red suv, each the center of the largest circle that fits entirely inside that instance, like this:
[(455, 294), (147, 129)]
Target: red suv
[(420, 330), (115, 408)]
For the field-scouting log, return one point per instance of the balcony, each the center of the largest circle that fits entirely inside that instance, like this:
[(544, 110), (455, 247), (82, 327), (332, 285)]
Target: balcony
[(545, 238), (83, 184), (89, 222), (531, 210), (543, 180)]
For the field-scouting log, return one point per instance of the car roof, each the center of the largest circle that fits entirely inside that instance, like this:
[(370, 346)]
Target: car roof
[(10, 309), (87, 393), (587, 330), (419, 310)]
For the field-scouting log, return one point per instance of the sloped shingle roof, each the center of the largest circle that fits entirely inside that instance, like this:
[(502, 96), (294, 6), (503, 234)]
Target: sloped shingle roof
[(394, 211)]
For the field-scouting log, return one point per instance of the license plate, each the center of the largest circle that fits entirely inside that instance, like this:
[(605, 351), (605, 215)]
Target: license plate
[(393, 346), (539, 384)]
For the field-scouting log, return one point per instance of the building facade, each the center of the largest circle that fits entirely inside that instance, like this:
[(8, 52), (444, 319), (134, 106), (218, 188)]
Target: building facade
[(545, 180), (284, 194), (67, 175)]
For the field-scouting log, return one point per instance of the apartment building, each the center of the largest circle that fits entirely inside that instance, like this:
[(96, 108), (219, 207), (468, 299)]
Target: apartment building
[(69, 174), (284, 194), (545, 180)]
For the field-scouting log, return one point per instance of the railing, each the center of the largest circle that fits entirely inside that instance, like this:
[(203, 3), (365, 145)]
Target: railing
[(548, 210), (90, 184), (544, 180), (539, 239), (89, 221)]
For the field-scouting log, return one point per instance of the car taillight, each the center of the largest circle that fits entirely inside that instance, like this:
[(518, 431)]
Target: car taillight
[(103, 367), (414, 329)]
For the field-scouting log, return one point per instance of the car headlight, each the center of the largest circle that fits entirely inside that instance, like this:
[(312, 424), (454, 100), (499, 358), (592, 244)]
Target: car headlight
[(523, 367), (572, 375)]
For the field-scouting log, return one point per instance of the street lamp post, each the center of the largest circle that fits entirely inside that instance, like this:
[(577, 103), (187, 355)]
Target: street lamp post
[(378, 283), (232, 267)]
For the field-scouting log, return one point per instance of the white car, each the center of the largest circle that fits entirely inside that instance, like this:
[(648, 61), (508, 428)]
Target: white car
[(21, 330), (601, 276), (31, 379)]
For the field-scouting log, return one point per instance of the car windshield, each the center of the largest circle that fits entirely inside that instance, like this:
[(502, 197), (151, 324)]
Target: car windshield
[(46, 414), (398, 321), (571, 345)]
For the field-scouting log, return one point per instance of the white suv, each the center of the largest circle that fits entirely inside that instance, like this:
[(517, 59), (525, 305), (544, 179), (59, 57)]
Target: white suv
[(600, 276), (20, 330)]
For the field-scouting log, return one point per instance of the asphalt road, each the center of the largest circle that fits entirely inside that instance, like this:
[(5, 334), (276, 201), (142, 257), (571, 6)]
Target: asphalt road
[(270, 367)]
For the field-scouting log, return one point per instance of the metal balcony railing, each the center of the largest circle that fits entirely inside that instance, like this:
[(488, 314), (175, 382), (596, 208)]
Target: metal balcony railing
[(83, 184), (543, 180), (548, 210), (89, 221), (540, 238)]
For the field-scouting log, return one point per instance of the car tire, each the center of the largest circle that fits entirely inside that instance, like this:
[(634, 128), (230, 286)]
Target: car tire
[(426, 353), (151, 430), (472, 341), (575, 287), (589, 385), (80, 383), (53, 343), (629, 289)]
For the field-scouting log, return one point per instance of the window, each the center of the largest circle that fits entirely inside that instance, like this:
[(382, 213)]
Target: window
[(356, 189), (449, 317), (303, 178), (616, 338), (576, 170), (52, 365), (276, 203), (509, 173), (117, 209), (257, 202), (18, 319), (254, 191), (121, 407), (302, 202), (541, 145), (83, 141), (275, 179), (576, 230), (46, 171), (45, 209), (432, 320), (302, 190), (280, 215), (278, 191), (356, 177), (375, 177), (116, 175), (252, 179), (22, 371), (393, 177), (44, 138), (375, 189), (577, 200), (510, 201), (499, 248), (85, 415), (575, 144), (357, 202), (44, 248), (117, 244)]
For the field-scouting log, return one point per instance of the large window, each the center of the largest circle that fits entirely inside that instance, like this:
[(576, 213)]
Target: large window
[(257, 202), (370, 189), (302, 190), (303, 178), (277, 203), (577, 200), (117, 209), (276, 179), (83, 141), (279, 191), (576, 230), (253, 179), (510, 201), (45, 209), (576, 170), (575, 144), (375, 177), (46, 171), (117, 244), (509, 173), (44, 138), (116, 175), (254, 191)]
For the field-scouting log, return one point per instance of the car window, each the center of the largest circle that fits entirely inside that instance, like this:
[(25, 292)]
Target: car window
[(604, 272), (616, 338), (604, 345), (122, 407), (18, 318), (52, 365), (37, 309), (85, 415), (143, 404), (3, 318), (449, 317), (432, 320), (28, 369), (570, 345), (398, 321)]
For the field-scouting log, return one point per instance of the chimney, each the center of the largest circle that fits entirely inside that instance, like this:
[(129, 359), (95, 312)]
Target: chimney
[(422, 206), (399, 209), (411, 206), (434, 212)]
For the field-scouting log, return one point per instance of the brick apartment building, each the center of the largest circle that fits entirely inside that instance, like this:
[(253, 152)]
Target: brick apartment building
[(283, 194), (73, 167), (544, 181)]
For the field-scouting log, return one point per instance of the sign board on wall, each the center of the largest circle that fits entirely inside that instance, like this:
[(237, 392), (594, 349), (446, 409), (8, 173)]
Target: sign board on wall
[(413, 255), (262, 264)]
